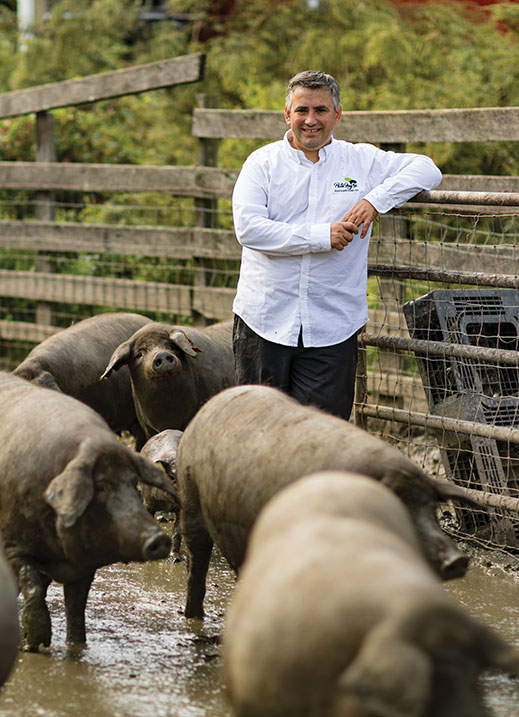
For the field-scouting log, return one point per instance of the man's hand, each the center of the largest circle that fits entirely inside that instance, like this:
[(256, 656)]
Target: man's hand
[(341, 233), (362, 213)]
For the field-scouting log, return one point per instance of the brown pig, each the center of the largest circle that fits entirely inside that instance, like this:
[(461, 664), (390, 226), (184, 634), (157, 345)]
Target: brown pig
[(248, 442), (73, 360), (174, 370), (9, 633), (337, 613), (68, 502)]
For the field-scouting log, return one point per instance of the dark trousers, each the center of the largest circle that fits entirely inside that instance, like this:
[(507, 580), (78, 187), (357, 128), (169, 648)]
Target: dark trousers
[(322, 377)]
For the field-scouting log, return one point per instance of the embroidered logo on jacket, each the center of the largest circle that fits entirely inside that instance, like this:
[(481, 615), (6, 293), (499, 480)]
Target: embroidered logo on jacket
[(348, 185)]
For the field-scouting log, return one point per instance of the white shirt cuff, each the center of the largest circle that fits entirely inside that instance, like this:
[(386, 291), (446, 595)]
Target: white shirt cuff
[(381, 200), (320, 239)]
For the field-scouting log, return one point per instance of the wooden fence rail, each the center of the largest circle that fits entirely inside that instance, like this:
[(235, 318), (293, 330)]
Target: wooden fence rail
[(103, 86)]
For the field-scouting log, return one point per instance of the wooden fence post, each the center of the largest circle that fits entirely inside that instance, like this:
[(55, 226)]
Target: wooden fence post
[(206, 210), (392, 296), (45, 201)]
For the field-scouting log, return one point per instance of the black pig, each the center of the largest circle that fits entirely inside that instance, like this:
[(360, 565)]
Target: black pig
[(8, 619), (68, 502), (248, 442), (174, 370), (73, 360)]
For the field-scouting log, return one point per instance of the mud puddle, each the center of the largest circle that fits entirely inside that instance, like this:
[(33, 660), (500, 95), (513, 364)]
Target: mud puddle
[(144, 659)]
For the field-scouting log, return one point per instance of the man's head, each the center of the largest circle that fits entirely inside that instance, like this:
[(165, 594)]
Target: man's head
[(312, 110), (314, 80)]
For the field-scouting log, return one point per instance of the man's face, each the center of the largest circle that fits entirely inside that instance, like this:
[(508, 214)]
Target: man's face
[(312, 119)]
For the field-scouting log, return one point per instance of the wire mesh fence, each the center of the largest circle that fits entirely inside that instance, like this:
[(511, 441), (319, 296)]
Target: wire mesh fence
[(438, 374), (441, 356)]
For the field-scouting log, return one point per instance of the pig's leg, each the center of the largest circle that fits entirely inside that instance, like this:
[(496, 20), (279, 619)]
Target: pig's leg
[(138, 434), (36, 625), (76, 595), (199, 549), (177, 539)]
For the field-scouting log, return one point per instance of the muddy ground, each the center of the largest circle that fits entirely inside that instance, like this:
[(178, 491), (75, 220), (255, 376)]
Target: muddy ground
[(144, 659)]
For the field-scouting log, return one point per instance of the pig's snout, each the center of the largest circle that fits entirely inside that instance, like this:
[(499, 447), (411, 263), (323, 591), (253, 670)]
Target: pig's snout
[(164, 362), (157, 545), (454, 566)]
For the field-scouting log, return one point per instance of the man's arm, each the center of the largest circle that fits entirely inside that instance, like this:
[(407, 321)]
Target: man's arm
[(398, 177), (256, 230)]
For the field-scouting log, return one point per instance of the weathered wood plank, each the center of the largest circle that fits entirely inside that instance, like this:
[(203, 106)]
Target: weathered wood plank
[(181, 181), (489, 258), (25, 331), (478, 183), (103, 86), (443, 125), (171, 242), (121, 293), (186, 243), (213, 303), (482, 199), (408, 389), (197, 181)]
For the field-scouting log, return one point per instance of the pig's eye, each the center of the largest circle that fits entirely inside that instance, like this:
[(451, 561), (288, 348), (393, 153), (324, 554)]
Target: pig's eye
[(138, 355)]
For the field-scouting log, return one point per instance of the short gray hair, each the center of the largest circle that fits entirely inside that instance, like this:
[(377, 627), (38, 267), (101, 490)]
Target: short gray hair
[(314, 80)]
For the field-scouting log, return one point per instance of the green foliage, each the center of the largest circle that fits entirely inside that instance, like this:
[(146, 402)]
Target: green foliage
[(385, 55), (8, 47)]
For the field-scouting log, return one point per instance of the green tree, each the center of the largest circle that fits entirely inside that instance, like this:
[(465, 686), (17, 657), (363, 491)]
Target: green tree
[(385, 55)]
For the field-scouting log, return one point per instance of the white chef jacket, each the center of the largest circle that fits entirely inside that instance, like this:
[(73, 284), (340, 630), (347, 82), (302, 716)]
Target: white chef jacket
[(283, 205)]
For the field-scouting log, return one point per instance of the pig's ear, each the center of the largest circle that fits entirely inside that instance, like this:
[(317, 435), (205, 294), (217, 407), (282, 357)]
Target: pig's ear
[(47, 380), (182, 340), (70, 492), (153, 475), (395, 481), (120, 356)]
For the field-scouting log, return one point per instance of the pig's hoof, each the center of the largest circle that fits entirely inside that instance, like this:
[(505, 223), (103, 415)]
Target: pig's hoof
[(33, 645), (34, 638)]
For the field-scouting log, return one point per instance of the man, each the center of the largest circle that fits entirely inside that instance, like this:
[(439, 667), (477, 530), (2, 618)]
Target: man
[(303, 210)]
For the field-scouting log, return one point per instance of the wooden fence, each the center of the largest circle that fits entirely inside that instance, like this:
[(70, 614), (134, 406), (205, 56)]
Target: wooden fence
[(389, 388)]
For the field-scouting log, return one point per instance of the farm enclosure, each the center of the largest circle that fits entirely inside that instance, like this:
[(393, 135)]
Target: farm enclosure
[(78, 239)]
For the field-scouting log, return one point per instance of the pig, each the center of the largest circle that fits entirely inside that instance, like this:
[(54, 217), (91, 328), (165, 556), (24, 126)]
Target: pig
[(174, 370), (248, 442), (73, 360), (162, 449), (68, 502), (9, 629), (338, 614)]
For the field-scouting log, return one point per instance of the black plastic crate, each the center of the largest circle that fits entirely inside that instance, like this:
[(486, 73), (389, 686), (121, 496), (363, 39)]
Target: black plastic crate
[(473, 390), (488, 318)]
